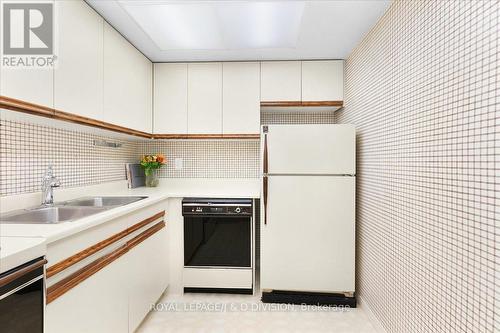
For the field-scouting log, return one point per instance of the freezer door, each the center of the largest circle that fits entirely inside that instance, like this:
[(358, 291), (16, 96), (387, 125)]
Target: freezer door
[(308, 241), (310, 149)]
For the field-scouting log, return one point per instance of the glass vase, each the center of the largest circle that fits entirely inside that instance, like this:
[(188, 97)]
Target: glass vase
[(152, 178)]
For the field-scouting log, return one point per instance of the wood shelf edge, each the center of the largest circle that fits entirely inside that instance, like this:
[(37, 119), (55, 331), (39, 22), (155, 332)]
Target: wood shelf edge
[(70, 117), (337, 104), (205, 136), (25, 107)]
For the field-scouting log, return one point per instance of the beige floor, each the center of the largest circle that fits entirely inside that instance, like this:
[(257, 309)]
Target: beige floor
[(241, 313)]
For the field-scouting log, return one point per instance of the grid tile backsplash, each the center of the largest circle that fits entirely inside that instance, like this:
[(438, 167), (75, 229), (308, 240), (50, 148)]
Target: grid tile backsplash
[(423, 89), (207, 158), (27, 149), (287, 117)]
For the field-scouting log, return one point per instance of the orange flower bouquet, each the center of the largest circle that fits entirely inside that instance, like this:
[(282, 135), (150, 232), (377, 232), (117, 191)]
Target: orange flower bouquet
[(151, 164)]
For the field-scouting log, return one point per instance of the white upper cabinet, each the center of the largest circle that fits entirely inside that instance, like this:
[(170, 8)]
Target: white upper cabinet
[(127, 83), (205, 98), (323, 80), (241, 98), (28, 84), (281, 81), (170, 99), (78, 76)]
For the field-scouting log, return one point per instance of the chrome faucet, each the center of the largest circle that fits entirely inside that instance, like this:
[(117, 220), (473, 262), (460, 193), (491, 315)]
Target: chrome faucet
[(48, 183)]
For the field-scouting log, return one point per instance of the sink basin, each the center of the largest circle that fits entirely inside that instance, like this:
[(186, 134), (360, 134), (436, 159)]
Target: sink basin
[(102, 201), (49, 215), (67, 211)]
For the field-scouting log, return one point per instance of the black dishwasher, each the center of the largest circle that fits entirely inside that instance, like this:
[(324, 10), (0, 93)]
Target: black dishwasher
[(22, 298), (217, 232)]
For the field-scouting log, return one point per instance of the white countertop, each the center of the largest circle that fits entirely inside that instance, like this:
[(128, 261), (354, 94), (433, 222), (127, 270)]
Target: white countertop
[(15, 251), (168, 188)]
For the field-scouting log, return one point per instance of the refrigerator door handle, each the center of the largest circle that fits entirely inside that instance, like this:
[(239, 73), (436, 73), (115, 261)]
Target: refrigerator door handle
[(265, 179)]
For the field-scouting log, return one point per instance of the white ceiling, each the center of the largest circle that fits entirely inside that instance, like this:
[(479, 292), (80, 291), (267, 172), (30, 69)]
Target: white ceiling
[(225, 30)]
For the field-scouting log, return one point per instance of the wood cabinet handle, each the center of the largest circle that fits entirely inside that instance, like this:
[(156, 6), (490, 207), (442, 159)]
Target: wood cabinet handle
[(25, 270), (265, 180)]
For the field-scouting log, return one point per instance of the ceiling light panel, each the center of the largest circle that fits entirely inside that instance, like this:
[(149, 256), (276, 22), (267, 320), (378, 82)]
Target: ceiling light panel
[(218, 25)]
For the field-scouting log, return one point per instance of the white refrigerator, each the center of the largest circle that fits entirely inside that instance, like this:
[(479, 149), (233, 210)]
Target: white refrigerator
[(308, 208)]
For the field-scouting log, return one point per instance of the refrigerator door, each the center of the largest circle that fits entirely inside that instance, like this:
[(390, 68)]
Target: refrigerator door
[(308, 242), (310, 149)]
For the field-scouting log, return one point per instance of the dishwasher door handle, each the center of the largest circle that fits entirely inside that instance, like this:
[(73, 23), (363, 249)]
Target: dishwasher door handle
[(5, 280)]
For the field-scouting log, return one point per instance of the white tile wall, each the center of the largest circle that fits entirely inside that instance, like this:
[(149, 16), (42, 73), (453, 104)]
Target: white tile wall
[(423, 89), (287, 117), (27, 149), (207, 158)]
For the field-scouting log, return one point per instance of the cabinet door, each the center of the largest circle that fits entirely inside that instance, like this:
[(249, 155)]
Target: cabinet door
[(291, 249), (33, 85), (98, 304), (205, 98), (127, 83), (323, 80), (170, 99), (280, 81), (241, 98), (78, 76), (148, 277)]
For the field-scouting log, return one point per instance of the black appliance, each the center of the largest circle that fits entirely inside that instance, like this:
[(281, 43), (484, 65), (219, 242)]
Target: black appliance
[(217, 232), (22, 298)]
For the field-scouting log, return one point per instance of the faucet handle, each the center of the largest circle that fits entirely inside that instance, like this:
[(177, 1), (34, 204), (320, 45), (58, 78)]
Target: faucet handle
[(49, 173)]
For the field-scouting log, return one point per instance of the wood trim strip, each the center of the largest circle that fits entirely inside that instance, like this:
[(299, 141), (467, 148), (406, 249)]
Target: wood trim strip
[(141, 224), (206, 136), (72, 260), (68, 283), (302, 103), (70, 117), (145, 234), (281, 103), (21, 106), (82, 274), (323, 103), (25, 270), (39, 110)]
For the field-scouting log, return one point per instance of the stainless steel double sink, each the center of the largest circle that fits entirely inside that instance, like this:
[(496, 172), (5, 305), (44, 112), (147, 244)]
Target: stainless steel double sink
[(66, 211)]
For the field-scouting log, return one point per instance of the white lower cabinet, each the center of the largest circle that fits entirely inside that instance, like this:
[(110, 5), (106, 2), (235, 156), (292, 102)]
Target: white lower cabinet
[(116, 298), (148, 276), (97, 305)]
